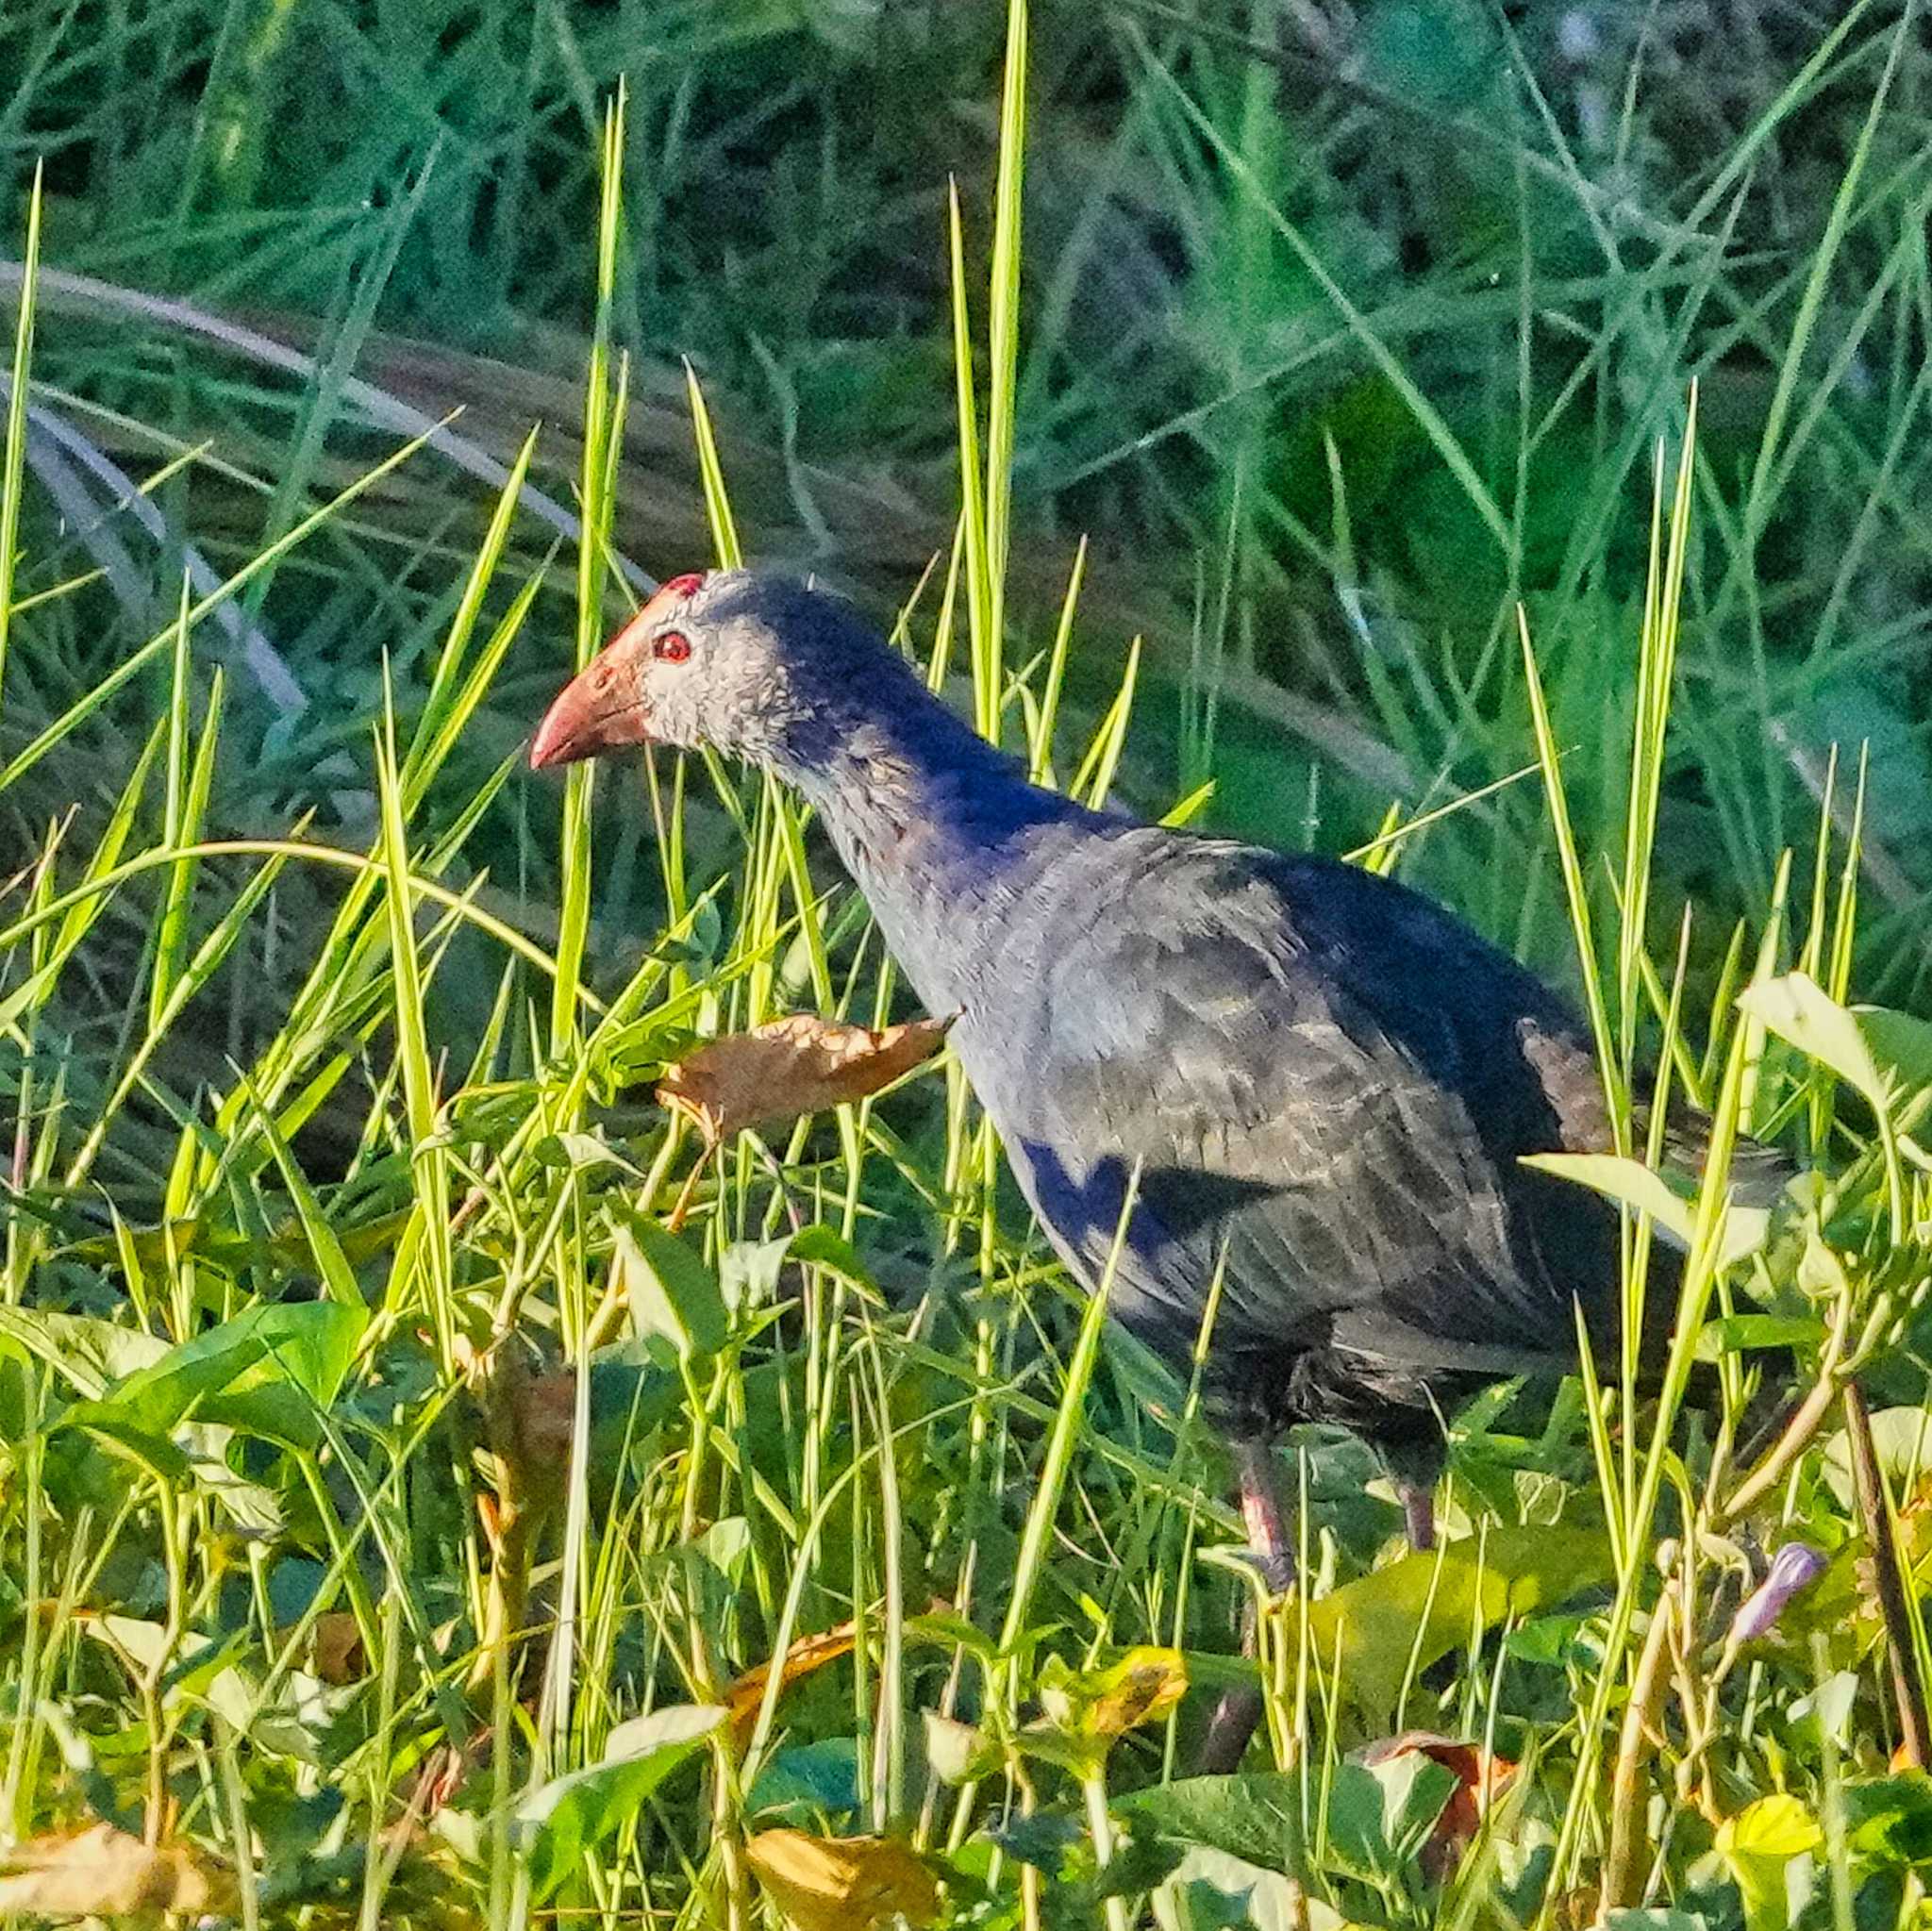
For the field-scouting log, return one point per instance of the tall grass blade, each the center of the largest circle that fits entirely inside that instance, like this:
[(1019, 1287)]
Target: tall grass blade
[(1002, 345), (573, 844), (13, 459)]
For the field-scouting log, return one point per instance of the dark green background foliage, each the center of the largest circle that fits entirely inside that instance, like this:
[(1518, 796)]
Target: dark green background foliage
[(1550, 216)]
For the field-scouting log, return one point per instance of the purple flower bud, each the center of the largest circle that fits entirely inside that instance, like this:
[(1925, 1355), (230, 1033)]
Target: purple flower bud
[(1796, 1567)]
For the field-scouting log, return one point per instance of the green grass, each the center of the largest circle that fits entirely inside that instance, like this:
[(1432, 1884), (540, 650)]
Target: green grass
[(391, 1501)]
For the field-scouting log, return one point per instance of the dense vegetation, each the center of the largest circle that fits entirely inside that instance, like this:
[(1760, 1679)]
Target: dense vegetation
[(441, 1482)]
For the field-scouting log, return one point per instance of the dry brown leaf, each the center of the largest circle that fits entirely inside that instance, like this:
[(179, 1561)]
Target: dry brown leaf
[(843, 1884), (339, 1653), (545, 1409), (1480, 1778), (529, 1426), (789, 1067), (807, 1654), (103, 1873)]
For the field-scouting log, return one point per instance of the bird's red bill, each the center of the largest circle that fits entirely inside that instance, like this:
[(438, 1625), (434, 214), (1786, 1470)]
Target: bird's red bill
[(596, 710)]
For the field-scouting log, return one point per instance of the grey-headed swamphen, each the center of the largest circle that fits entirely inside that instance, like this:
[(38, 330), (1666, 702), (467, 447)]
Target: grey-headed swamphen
[(1325, 1079)]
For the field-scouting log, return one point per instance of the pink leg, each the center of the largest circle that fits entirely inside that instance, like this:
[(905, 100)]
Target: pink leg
[(1238, 1711), (1419, 1516), (1261, 1510)]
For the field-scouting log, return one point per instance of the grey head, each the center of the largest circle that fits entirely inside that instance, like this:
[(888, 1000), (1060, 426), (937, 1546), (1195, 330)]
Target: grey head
[(754, 663)]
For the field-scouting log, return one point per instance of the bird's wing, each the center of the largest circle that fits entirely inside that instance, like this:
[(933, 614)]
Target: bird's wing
[(1322, 1076)]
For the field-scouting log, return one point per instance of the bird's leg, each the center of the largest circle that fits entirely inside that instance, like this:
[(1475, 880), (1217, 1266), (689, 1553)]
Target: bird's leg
[(1266, 1520), (1238, 1711), (1419, 1515)]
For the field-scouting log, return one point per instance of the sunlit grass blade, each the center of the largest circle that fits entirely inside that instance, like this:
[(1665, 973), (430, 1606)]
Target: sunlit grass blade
[(1549, 757), (449, 661), (14, 458), (331, 1263), (1094, 778), (184, 818), (194, 975), (429, 1159), (1656, 659), (1053, 680), (137, 661), (90, 897), (969, 553), (1003, 353), (573, 844), (725, 544)]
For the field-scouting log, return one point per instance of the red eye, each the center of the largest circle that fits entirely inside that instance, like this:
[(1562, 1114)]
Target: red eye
[(674, 647)]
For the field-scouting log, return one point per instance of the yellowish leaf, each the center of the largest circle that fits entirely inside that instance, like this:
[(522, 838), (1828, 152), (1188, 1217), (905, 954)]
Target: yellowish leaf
[(1144, 1685), (843, 1884), (103, 1873), (1402, 1617), (1774, 1826), (779, 1072)]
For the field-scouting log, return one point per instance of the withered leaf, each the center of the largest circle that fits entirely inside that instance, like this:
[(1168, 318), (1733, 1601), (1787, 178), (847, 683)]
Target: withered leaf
[(104, 1873), (1480, 1778), (807, 1654), (789, 1067), (843, 1884), (340, 1657)]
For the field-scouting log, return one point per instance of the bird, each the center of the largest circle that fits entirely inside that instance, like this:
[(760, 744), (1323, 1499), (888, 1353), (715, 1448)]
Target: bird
[(1316, 1084)]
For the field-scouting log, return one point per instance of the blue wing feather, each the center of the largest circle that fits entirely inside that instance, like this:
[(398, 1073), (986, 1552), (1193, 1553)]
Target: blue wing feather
[(1326, 1082)]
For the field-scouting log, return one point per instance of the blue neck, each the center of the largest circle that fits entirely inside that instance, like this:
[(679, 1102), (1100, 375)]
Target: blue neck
[(940, 831)]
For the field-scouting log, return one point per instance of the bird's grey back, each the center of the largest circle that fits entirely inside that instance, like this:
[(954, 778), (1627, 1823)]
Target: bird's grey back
[(1326, 1082)]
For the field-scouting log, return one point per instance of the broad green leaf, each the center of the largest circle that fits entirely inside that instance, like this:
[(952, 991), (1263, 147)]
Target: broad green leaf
[(1734, 1334), (671, 1294), (819, 1778), (948, 1629), (1903, 1439), (1885, 1055), (1372, 1623), (88, 1354), (1380, 1815), (1252, 1817), (1212, 1890), (559, 1822), (1888, 1820), (265, 1373), (1774, 1826), (87, 1460), (582, 1152), (1633, 1185), (1756, 1846), (1829, 1708), (749, 1269)]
